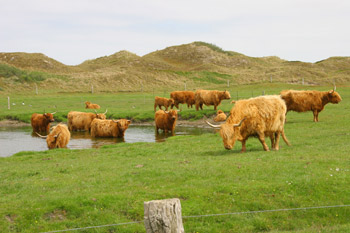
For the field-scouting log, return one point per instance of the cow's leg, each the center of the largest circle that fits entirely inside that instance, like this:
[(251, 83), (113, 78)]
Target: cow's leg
[(155, 106), (272, 138), (201, 105), (261, 137), (277, 135), (244, 149), (315, 115), (215, 106), (197, 106)]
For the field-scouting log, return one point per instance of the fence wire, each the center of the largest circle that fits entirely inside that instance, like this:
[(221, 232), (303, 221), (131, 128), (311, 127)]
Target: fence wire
[(208, 215)]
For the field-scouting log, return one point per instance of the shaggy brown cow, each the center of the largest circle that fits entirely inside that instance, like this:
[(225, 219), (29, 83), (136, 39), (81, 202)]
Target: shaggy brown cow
[(91, 105), (166, 120), (210, 98), (82, 120), (261, 116), (41, 122), (302, 101), (109, 128), (161, 101), (221, 116), (182, 97), (58, 138)]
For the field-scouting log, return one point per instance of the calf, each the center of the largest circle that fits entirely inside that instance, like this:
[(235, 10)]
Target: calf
[(90, 105), (221, 116), (161, 101)]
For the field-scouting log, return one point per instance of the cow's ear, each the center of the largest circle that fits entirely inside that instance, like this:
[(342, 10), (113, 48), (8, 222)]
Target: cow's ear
[(129, 121)]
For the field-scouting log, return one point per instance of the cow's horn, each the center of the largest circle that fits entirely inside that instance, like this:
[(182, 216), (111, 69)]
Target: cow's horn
[(56, 136), (240, 123), (115, 121), (53, 113), (95, 111), (334, 88), (214, 126), (40, 135), (105, 111)]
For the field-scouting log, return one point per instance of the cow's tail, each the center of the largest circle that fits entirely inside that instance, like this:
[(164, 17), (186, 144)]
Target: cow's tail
[(285, 138)]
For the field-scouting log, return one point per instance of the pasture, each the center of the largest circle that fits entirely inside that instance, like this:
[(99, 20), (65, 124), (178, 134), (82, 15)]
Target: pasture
[(63, 189)]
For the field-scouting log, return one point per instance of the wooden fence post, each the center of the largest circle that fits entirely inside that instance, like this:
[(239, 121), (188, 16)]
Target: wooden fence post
[(36, 89), (8, 103), (92, 89), (163, 216)]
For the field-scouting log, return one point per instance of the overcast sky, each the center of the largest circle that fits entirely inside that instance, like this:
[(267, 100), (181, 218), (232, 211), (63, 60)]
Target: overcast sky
[(72, 31)]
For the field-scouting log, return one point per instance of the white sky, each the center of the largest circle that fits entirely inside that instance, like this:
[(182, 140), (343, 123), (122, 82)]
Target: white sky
[(72, 31)]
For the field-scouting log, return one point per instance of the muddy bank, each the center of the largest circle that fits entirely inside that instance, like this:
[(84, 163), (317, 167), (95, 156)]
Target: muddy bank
[(13, 123)]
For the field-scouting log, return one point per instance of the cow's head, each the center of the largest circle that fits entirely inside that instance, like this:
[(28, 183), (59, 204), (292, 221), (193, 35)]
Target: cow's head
[(219, 111), (334, 97), (87, 103), (172, 114), (229, 132), (226, 95), (101, 116), (123, 124), (171, 102), (52, 140), (49, 117)]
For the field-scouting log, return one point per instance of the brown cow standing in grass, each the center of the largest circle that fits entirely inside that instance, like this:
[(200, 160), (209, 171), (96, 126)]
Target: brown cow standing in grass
[(161, 101), (220, 116), (182, 97), (41, 122), (210, 98), (90, 105), (82, 120), (58, 138), (261, 116), (109, 128), (302, 101), (166, 120)]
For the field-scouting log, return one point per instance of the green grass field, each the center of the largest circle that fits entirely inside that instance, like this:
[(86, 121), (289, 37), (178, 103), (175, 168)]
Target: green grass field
[(63, 189)]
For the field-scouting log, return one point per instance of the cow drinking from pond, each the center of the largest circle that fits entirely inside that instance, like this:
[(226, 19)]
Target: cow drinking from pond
[(41, 122), (210, 98), (82, 120), (166, 120), (182, 97), (58, 137), (261, 116), (109, 128), (302, 101)]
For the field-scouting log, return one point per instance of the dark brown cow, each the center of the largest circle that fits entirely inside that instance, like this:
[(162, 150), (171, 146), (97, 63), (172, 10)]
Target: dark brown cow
[(58, 138), (82, 120), (182, 97), (90, 105), (41, 122), (109, 128), (161, 101), (166, 120), (302, 101), (261, 116), (221, 116), (210, 98)]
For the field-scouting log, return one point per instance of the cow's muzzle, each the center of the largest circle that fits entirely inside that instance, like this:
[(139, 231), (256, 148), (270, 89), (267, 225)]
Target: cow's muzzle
[(228, 147)]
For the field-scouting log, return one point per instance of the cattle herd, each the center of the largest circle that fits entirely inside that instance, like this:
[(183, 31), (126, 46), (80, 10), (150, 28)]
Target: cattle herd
[(262, 116)]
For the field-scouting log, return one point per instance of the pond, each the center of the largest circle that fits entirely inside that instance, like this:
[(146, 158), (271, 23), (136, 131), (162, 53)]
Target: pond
[(16, 139)]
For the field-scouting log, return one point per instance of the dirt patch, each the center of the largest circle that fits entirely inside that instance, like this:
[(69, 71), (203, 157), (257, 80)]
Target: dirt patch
[(12, 123), (57, 215)]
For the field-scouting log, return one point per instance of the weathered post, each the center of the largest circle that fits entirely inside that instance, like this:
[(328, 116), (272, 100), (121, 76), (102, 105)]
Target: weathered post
[(36, 89), (163, 216), (228, 83), (8, 103), (92, 89), (185, 85)]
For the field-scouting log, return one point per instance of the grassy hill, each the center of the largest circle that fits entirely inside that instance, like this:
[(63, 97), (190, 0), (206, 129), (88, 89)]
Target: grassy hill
[(196, 65)]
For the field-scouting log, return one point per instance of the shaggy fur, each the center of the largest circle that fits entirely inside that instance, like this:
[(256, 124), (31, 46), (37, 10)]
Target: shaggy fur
[(302, 101), (161, 101), (261, 116), (221, 116), (59, 137), (91, 105), (41, 122), (109, 128), (165, 120), (182, 97), (210, 98), (82, 120)]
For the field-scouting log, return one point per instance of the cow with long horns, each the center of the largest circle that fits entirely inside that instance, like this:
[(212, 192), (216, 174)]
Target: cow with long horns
[(210, 98), (82, 120), (109, 128), (41, 122), (302, 101), (262, 116), (58, 137)]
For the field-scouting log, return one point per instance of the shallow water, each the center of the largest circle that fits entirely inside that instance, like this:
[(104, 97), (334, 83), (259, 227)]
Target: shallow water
[(17, 139)]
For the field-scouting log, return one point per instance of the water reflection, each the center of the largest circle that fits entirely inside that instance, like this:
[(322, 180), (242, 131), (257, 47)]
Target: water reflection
[(16, 139)]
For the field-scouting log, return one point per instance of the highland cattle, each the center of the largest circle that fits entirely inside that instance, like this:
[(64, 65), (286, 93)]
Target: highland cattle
[(210, 98)]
